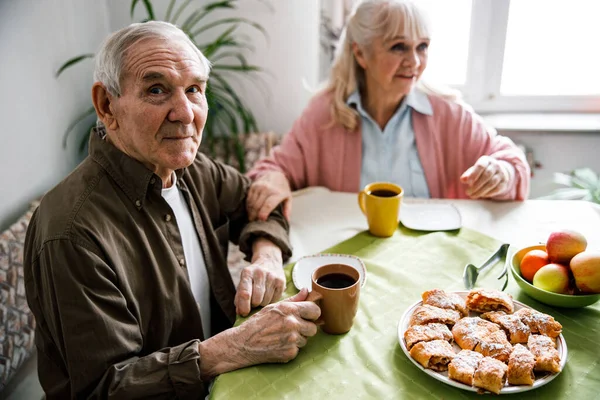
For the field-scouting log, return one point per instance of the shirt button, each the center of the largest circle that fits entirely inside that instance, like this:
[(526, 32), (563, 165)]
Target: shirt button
[(138, 203), (152, 181), (182, 261), (168, 217)]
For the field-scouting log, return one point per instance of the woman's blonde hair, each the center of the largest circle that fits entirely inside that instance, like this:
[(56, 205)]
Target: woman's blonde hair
[(372, 19)]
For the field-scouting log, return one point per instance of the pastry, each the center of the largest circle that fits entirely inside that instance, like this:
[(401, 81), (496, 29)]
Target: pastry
[(516, 330), (428, 314), (495, 345), (484, 300), (520, 366), (539, 322), (525, 339), (544, 350), (441, 299), (463, 366), (490, 375), (435, 355), (485, 337), (426, 333), (468, 331)]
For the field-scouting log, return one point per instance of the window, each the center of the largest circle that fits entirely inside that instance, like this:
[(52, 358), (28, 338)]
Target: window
[(566, 60), (519, 55), (449, 50)]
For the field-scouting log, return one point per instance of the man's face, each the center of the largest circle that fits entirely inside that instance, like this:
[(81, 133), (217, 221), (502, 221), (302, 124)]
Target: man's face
[(162, 109)]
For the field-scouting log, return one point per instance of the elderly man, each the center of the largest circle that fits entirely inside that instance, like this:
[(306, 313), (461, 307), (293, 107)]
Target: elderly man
[(125, 260)]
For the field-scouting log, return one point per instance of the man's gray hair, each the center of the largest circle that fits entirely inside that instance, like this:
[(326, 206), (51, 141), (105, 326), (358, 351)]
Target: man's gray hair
[(110, 57)]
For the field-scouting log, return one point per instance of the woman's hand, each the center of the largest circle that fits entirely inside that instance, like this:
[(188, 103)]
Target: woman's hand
[(488, 178), (266, 193)]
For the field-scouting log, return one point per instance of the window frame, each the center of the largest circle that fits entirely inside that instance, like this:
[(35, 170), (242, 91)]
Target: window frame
[(489, 23)]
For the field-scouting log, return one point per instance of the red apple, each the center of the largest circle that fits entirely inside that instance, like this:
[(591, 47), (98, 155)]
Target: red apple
[(553, 278), (586, 271), (563, 245)]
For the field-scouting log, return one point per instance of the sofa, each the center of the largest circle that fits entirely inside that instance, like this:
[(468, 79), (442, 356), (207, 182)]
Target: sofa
[(17, 325)]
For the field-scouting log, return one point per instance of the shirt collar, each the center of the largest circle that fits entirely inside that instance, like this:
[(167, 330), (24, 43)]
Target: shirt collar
[(131, 175), (416, 99)]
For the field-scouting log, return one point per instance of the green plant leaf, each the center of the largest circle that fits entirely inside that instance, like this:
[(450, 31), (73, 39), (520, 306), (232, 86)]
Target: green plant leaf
[(169, 10), (90, 111), (222, 106), (133, 4), (222, 40), (189, 20), (219, 4), (240, 153), (245, 115), (200, 14), (72, 61), (234, 20), (149, 10), (182, 7), (244, 68), (587, 176), (229, 54), (85, 139)]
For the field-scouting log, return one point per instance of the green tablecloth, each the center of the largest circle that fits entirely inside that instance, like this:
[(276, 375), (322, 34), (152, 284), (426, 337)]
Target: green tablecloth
[(368, 362)]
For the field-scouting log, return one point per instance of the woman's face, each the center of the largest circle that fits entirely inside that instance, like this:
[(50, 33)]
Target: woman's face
[(393, 65)]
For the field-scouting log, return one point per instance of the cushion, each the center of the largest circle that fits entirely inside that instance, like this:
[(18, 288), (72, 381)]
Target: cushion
[(254, 145), (17, 325)]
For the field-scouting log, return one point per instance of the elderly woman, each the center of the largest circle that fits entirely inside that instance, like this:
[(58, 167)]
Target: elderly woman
[(376, 121)]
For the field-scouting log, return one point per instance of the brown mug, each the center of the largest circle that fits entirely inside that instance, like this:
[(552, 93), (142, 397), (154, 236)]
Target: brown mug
[(335, 289)]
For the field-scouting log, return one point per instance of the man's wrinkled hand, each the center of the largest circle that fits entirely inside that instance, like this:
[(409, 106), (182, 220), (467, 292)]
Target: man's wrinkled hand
[(489, 177), (266, 193), (277, 332), (261, 283)]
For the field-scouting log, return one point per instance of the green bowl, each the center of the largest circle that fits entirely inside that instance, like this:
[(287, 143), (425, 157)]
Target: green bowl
[(543, 296)]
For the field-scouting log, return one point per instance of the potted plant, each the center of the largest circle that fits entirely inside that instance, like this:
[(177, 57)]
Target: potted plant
[(581, 184), (229, 118)]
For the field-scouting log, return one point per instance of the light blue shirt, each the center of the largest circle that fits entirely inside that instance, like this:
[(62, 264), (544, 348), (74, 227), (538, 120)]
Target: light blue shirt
[(391, 155)]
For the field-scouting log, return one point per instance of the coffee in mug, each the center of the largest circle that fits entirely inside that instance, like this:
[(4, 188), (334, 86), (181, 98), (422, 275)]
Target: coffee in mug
[(383, 193), (336, 281)]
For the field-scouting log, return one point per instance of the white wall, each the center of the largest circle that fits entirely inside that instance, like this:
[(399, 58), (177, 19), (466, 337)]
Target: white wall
[(36, 37), (291, 57)]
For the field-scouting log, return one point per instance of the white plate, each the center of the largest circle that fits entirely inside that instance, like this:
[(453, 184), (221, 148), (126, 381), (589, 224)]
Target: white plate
[(443, 376), (302, 272), (430, 217)]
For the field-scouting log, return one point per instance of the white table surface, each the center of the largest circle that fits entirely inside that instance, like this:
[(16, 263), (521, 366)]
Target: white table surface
[(321, 219)]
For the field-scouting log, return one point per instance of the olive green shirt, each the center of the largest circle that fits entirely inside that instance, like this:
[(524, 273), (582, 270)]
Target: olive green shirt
[(106, 276)]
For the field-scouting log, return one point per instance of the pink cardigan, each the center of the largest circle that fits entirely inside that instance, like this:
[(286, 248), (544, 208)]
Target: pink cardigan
[(317, 153)]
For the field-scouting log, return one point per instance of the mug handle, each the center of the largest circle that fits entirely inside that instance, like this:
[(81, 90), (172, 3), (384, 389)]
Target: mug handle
[(361, 201), (316, 297)]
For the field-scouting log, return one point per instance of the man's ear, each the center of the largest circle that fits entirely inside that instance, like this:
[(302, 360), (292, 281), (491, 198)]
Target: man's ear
[(359, 55), (103, 103)]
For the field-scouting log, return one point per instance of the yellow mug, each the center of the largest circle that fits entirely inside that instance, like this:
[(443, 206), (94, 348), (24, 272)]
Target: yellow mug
[(380, 202)]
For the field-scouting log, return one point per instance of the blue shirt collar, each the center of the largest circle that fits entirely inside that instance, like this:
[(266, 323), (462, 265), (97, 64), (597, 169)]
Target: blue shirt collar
[(416, 99)]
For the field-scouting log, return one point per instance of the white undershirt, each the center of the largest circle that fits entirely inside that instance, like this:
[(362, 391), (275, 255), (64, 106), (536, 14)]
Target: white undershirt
[(193, 253)]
